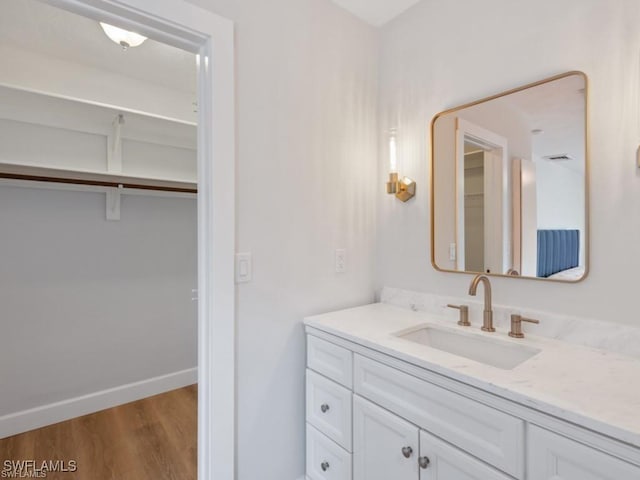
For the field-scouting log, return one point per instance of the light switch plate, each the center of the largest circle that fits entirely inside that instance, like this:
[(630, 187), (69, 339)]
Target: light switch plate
[(244, 267)]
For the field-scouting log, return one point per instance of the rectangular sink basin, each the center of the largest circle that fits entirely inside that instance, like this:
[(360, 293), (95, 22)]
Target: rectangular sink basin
[(487, 350)]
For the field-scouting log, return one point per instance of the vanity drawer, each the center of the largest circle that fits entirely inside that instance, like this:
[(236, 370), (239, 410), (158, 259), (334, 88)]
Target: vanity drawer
[(330, 360), (325, 459), (329, 408), (492, 436)]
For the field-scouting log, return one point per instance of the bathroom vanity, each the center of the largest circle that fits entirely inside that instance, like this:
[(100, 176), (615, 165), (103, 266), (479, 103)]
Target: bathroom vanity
[(395, 394)]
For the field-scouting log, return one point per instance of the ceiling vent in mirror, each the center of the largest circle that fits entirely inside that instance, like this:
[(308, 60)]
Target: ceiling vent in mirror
[(558, 157)]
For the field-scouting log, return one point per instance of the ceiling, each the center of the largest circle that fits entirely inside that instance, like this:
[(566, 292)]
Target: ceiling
[(557, 109), (376, 12), (41, 28), (44, 29), (551, 114)]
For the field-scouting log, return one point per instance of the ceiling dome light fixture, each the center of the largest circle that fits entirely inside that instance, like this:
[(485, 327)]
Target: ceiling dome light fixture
[(124, 38)]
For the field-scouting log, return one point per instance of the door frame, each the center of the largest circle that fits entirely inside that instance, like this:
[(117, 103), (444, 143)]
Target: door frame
[(497, 233), (211, 37)]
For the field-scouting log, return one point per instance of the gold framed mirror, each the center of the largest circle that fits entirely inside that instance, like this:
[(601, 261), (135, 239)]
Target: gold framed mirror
[(510, 183)]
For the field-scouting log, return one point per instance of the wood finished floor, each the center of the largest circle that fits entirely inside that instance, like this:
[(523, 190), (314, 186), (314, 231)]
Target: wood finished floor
[(151, 439)]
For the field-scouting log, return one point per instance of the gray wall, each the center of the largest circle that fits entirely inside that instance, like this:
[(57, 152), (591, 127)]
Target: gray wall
[(88, 304)]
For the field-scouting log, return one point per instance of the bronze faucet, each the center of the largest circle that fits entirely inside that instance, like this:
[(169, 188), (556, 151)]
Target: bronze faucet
[(487, 324)]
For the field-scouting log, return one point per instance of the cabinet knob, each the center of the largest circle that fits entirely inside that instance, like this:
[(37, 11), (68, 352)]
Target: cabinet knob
[(407, 451), (424, 462), (324, 407), (324, 466)]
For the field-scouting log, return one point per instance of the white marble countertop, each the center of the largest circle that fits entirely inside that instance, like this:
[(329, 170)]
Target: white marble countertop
[(596, 389)]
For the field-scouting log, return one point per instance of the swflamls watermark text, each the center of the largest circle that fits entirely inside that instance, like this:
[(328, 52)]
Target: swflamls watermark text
[(36, 469)]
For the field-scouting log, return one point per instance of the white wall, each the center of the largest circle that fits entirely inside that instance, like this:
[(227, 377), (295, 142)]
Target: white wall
[(426, 56), (89, 304), (529, 211), (306, 184)]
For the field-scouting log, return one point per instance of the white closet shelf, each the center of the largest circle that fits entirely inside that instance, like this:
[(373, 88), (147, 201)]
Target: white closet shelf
[(61, 143), (80, 116)]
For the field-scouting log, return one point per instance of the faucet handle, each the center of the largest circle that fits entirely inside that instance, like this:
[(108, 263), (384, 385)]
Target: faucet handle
[(516, 325), (464, 314)]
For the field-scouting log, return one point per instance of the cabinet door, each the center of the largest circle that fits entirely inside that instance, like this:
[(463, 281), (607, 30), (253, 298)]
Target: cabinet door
[(486, 433), (385, 447), (441, 461), (554, 457)]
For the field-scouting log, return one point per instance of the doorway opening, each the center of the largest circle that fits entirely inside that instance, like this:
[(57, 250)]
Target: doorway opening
[(482, 218), (210, 38)]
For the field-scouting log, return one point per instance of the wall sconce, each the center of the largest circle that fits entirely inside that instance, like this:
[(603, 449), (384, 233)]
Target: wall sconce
[(403, 189)]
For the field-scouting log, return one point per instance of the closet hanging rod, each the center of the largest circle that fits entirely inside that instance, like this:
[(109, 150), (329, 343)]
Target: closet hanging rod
[(96, 183)]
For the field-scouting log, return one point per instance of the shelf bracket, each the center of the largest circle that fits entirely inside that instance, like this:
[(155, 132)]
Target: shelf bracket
[(113, 203), (114, 146)]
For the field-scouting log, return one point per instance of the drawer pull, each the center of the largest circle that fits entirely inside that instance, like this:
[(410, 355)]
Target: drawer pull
[(407, 451), (324, 407), (324, 466), (424, 462)]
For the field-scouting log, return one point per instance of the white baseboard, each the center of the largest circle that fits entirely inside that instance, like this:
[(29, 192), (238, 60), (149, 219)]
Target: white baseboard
[(26, 420)]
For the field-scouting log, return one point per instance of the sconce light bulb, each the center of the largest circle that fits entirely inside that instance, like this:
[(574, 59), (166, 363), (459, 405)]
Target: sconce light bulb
[(393, 155)]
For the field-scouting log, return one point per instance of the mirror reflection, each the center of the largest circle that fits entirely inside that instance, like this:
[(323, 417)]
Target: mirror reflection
[(509, 183)]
